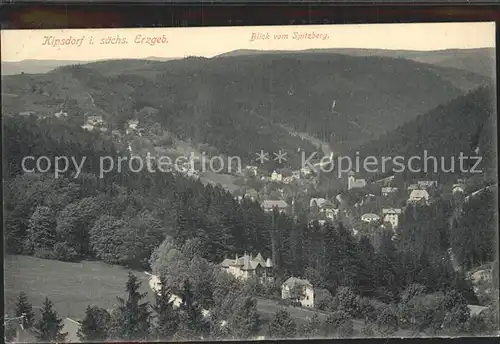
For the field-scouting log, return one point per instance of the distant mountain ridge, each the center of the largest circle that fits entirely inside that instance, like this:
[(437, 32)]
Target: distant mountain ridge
[(34, 66), (465, 125), (479, 61)]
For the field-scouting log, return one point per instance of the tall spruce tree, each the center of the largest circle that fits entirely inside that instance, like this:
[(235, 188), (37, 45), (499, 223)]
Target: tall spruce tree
[(131, 319), (166, 320), (25, 309), (95, 325), (49, 326), (366, 256), (41, 234), (388, 267), (192, 324)]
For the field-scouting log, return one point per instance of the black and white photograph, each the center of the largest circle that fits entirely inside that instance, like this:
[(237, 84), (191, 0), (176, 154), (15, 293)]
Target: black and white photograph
[(250, 183)]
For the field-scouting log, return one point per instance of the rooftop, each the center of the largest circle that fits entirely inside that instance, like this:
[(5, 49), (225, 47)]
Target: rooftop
[(419, 194), (274, 203), (391, 211), (370, 216), (247, 262), (294, 281), (319, 202)]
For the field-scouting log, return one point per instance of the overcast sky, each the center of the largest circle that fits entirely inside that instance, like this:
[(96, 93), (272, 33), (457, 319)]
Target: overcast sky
[(20, 45)]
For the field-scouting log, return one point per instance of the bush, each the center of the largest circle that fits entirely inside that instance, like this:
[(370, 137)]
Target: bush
[(368, 309), (64, 252), (254, 287), (271, 290), (368, 331), (490, 317), (387, 321), (412, 291), (384, 295), (476, 325), (44, 254), (334, 321), (456, 319), (422, 312), (346, 329), (347, 301)]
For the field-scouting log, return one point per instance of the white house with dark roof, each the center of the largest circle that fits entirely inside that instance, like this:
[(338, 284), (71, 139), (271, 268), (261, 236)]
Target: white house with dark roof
[(458, 188), (306, 171), (391, 215), (385, 181), (320, 222), (276, 177), (353, 183), (133, 123), (252, 170), (418, 196), (370, 217), (325, 207), (289, 180), (247, 266), (389, 190), (269, 205), (304, 287), (330, 210)]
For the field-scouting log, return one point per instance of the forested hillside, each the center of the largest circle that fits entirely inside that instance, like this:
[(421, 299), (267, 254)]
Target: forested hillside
[(172, 224), (479, 61), (88, 216), (461, 125), (234, 99)]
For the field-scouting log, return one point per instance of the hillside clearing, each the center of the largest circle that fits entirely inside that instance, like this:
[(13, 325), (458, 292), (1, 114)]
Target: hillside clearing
[(71, 286), (74, 286)]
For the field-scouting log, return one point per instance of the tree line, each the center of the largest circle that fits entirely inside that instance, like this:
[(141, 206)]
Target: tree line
[(128, 218)]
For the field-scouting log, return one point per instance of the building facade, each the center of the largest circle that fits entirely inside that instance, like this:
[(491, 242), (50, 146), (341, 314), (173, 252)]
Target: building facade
[(269, 205), (299, 289), (391, 215), (353, 183), (419, 196), (247, 266)]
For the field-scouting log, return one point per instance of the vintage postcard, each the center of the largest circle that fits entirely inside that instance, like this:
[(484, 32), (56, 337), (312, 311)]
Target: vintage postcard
[(333, 181)]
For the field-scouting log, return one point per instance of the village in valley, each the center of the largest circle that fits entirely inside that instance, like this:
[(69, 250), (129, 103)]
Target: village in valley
[(366, 207)]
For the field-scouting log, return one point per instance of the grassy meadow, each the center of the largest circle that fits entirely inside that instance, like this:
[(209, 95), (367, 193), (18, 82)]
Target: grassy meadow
[(70, 286)]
